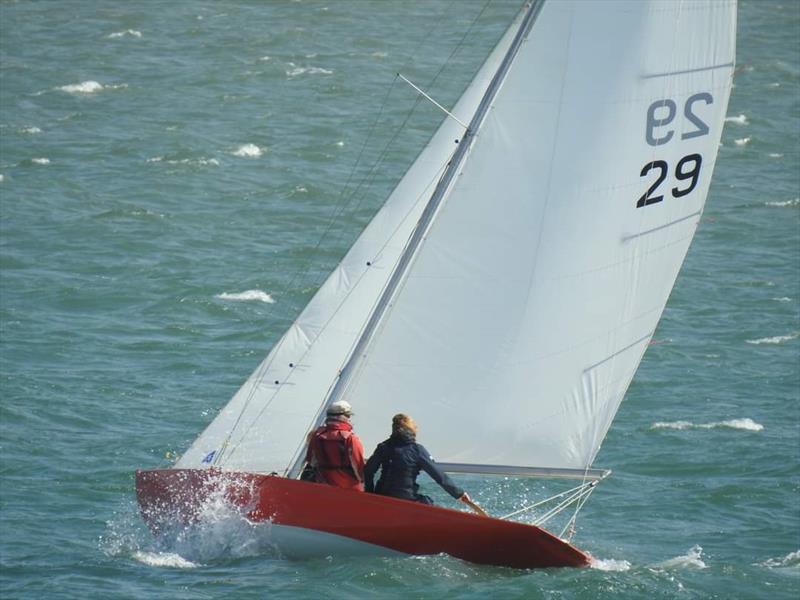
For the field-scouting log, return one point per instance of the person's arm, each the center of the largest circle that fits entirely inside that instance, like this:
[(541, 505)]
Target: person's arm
[(371, 468), (309, 451), (357, 456), (443, 479)]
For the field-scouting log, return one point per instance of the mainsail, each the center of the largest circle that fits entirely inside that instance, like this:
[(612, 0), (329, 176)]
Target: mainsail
[(518, 317)]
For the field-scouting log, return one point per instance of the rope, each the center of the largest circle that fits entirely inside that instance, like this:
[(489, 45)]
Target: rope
[(557, 509), (550, 499)]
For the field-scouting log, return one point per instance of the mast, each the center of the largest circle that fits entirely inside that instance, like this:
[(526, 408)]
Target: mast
[(425, 220)]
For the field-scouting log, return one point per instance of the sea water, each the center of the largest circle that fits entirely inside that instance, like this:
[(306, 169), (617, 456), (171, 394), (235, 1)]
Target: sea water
[(177, 178)]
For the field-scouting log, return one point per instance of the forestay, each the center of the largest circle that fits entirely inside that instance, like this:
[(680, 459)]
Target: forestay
[(527, 307)]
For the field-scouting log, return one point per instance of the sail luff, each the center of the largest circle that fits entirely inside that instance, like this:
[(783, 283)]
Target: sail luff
[(426, 218)]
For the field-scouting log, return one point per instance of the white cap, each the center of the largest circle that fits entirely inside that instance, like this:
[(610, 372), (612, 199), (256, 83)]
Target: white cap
[(340, 407)]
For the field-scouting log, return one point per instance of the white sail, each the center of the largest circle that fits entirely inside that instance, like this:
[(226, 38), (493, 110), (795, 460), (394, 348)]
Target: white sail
[(533, 298), (263, 427), (524, 312)]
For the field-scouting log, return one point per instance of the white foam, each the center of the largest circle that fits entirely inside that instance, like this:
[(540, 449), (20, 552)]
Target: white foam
[(248, 295), (610, 564), (248, 151), (742, 141), (739, 120), (1, 177), (340, 143), (86, 87), (782, 299), (221, 529), (778, 339), (185, 161), (295, 71), (90, 87), (792, 202), (790, 561), (775, 155), (745, 424), (672, 425), (32, 130), (40, 161), (691, 560), (130, 32), (164, 559)]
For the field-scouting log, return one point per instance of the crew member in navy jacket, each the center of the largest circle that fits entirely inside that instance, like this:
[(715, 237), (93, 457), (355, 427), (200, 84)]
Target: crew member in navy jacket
[(400, 459)]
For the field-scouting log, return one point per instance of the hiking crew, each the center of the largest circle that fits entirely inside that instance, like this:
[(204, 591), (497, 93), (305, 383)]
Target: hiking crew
[(400, 459), (335, 455)]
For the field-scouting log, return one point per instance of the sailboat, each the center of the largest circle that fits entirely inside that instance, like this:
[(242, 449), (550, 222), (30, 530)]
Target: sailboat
[(508, 287)]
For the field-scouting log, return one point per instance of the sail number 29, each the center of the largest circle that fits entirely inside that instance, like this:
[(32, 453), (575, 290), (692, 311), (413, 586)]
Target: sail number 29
[(660, 115)]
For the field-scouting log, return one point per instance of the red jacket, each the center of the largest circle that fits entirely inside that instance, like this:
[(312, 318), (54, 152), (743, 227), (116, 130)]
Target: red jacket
[(337, 455)]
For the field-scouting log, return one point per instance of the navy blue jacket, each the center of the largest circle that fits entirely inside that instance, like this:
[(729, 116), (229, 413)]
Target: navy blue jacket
[(400, 460)]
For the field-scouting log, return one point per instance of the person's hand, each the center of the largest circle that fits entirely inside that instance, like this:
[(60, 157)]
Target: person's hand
[(465, 498)]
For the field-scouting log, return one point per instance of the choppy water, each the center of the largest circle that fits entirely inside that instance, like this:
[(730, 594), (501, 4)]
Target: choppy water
[(168, 174)]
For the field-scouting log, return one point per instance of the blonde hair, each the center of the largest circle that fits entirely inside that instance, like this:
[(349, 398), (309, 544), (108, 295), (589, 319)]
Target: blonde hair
[(401, 421)]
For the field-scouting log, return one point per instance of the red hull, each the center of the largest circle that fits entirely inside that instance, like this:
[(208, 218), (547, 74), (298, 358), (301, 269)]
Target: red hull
[(399, 525)]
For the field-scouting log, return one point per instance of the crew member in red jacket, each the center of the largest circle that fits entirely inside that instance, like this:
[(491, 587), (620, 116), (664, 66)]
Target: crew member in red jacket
[(335, 455)]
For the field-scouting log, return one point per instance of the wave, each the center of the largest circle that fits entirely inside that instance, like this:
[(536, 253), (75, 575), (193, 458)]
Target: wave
[(31, 130), (248, 151), (130, 32), (693, 559), (184, 161), (778, 339), (792, 202), (1, 177), (790, 561), (739, 120), (743, 424), (295, 71), (248, 295), (742, 141), (164, 559), (40, 161), (89, 87), (609, 564), (775, 155)]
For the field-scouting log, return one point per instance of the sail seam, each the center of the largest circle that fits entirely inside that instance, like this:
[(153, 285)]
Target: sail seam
[(686, 71), (660, 227), (620, 351)]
